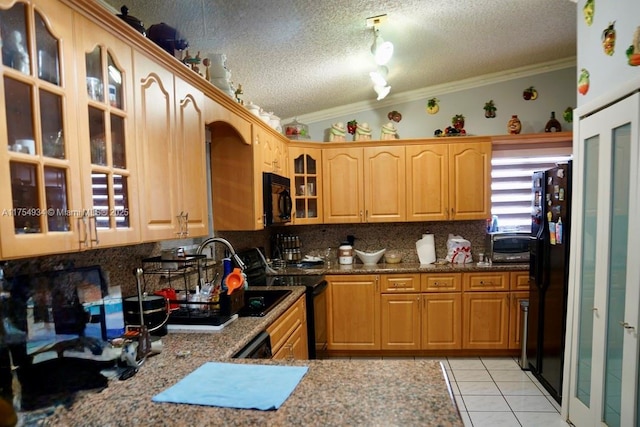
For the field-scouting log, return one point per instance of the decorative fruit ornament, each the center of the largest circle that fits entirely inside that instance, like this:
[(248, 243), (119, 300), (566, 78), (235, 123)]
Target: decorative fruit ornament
[(351, 126), (458, 121), (589, 10), (490, 109), (432, 106), (395, 116), (567, 115), (633, 52), (583, 82), (530, 94), (609, 39)]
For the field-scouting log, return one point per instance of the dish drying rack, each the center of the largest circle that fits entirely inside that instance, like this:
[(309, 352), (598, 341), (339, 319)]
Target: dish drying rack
[(216, 311)]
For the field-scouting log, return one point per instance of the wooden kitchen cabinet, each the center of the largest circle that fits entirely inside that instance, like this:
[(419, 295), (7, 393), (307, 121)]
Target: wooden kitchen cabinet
[(39, 170), (107, 138), (274, 153), (486, 281), (441, 321), (288, 334), (486, 320), (306, 184), (427, 182), (448, 181), (429, 320), (191, 158), (470, 180), (519, 281), (170, 130), (491, 311), (364, 184), (400, 317), (400, 282), (353, 312)]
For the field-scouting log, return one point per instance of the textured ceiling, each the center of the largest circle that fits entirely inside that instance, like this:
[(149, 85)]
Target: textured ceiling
[(297, 57)]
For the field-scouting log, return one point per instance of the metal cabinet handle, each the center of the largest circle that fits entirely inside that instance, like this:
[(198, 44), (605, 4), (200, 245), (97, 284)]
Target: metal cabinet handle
[(626, 325), (95, 229)]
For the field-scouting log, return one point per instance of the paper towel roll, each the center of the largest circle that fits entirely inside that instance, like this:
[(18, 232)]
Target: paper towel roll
[(426, 249)]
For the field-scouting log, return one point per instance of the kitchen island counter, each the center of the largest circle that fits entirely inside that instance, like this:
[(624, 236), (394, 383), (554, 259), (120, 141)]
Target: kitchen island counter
[(333, 392)]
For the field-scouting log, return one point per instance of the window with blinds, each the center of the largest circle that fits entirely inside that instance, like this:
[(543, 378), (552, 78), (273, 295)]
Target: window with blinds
[(511, 183)]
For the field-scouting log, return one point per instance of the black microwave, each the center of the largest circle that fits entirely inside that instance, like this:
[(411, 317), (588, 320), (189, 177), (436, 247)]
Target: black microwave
[(276, 195)]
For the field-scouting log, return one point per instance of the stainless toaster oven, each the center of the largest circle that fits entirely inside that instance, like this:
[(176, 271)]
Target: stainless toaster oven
[(508, 246)]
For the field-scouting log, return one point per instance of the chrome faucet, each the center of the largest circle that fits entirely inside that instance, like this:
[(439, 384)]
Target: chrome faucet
[(225, 242)]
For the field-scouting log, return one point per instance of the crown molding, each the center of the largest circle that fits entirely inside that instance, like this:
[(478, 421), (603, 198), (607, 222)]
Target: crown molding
[(431, 91)]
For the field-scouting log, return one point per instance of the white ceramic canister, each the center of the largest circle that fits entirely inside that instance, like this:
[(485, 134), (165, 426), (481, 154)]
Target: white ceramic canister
[(345, 254)]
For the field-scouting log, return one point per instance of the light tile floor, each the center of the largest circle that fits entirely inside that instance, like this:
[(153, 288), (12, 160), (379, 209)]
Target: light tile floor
[(495, 392)]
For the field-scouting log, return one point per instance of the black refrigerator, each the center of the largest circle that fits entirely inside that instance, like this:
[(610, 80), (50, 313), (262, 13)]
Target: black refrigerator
[(549, 275)]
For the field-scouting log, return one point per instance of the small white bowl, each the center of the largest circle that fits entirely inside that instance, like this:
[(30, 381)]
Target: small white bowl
[(370, 258)]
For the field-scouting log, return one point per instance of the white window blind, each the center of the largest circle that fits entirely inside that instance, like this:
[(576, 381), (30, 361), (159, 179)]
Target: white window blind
[(511, 182)]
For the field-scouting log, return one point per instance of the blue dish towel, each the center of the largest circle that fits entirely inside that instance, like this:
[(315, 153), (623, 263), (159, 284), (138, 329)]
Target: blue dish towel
[(231, 385)]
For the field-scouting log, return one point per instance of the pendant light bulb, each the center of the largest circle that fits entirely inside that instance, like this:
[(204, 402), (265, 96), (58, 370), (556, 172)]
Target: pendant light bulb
[(382, 50), (382, 91)]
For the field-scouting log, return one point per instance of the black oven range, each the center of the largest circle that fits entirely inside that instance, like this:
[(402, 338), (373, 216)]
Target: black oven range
[(256, 271)]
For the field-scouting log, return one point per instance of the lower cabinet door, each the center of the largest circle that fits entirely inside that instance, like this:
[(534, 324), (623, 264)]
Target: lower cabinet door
[(400, 321), (486, 320), (295, 348), (441, 321)]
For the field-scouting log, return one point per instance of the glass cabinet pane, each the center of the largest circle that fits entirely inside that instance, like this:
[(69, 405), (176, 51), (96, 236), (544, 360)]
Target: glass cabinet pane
[(312, 211), (24, 193), (311, 165), (97, 137), (15, 51), (110, 213), (618, 248), (300, 208), (588, 271), (55, 184), (121, 201), (115, 83), (18, 107), (118, 142), (51, 124), (298, 165), (47, 48), (95, 87)]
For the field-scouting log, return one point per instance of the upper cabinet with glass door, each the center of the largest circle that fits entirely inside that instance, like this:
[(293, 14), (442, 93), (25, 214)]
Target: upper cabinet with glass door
[(105, 125), (306, 179), (37, 201)]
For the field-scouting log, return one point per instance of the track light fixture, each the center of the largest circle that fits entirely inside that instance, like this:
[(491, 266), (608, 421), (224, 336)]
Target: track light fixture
[(382, 52)]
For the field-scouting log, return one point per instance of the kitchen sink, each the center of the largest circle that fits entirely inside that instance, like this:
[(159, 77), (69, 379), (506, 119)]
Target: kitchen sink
[(259, 302)]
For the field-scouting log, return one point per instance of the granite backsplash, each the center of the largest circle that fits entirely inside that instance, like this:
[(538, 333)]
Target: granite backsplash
[(402, 237)]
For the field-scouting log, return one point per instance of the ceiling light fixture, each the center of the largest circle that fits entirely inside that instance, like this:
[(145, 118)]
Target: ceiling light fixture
[(382, 52)]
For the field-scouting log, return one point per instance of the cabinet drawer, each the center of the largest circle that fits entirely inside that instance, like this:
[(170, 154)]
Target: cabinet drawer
[(280, 330), (400, 282), (293, 348), (485, 281), (441, 282), (519, 280)]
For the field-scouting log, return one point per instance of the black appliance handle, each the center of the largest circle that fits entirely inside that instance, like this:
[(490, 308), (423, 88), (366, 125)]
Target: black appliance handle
[(285, 205), (320, 287)]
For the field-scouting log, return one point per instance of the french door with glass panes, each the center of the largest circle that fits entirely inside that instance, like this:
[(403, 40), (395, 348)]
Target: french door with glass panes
[(604, 356)]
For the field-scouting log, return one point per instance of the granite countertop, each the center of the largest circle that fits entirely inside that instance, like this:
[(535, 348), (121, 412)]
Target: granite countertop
[(384, 268), (333, 392)]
